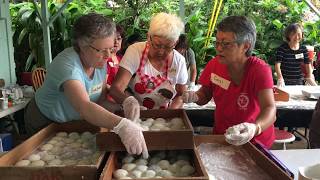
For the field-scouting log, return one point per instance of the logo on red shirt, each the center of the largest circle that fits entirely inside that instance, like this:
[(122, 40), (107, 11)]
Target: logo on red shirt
[(243, 101)]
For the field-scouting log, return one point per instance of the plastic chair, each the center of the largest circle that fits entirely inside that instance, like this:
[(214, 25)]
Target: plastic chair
[(283, 137), (38, 76)]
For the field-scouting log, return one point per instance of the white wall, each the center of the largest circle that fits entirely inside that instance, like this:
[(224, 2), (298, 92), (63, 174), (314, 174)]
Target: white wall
[(7, 65)]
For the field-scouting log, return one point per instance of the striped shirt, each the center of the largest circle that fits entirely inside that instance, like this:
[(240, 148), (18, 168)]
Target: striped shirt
[(291, 62)]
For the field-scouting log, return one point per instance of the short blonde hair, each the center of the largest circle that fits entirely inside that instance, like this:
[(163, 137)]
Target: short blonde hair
[(166, 25)]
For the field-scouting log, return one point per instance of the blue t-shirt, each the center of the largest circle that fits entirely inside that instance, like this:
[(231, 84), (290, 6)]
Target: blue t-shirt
[(50, 97)]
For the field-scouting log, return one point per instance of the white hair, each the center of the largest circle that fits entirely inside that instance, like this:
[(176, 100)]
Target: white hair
[(166, 25)]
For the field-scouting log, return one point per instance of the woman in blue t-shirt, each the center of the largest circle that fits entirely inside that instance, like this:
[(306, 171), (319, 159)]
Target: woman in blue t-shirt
[(74, 86)]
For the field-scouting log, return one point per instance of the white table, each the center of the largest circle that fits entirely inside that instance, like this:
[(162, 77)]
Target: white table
[(295, 158), (11, 110)]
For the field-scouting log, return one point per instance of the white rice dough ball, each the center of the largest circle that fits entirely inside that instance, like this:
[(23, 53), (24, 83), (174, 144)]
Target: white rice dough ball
[(128, 159), (176, 127), (37, 163), (154, 160), (141, 168), (146, 123), (158, 126), (154, 129), (57, 138), (166, 129), (182, 162), (135, 174), (155, 168), (69, 162), (145, 128), (129, 166), (158, 177), (232, 130), (60, 144), (84, 162), (42, 153), (163, 164), (149, 120), (55, 162), (80, 140), (68, 140), (23, 163), (34, 157), (46, 147), (187, 169), (164, 173), (148, 174), (159, 120), (48, 157), (62, 134), (174, 168), (53, 142), (120, 173), (88, 145), (75, 145), (56, 150), (74, 135), (86, 135), (141, 162)]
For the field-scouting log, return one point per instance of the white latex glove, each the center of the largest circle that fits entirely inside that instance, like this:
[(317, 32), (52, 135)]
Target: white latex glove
[(192, 86), (131, 108), (310, 82), (280, 83), (241, 133), (132, 137), (190, 97)]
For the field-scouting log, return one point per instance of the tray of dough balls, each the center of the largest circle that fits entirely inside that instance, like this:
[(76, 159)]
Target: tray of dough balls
[(163, 130), (168, 164), (58, 151)]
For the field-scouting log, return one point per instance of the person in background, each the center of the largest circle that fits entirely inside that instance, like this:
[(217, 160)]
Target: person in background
[(155, 73), (289, 57), (114, 60), (183, 48), (240, 85), (75, 85)]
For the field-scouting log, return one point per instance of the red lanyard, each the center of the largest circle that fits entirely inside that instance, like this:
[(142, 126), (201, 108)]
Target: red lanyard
[(150, 82)]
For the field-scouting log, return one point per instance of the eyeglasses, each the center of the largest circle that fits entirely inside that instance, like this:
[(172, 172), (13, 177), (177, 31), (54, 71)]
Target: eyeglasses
[(157, 46), (225, 44), (106, 51)]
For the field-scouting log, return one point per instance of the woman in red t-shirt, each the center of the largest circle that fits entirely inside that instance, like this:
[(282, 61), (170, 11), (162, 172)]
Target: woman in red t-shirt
[(240, 85)]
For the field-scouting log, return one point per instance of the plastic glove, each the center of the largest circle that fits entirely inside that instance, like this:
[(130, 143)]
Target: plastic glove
[(310, 82), (280, 83), (132, 137), (241, 133), (190, 96), (131, 108), (192, 86)]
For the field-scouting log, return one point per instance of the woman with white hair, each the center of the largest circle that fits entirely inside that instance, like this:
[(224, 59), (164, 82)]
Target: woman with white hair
[(154, 72), (240, 84)]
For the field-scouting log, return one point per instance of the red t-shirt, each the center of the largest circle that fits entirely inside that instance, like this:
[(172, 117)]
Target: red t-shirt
[(238, 103), (112, 69)]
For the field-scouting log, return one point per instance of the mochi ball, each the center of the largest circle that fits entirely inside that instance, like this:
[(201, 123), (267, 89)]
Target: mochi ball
[(128, 166), (174, 168), (69, 162), (46, 147), (74, 135), (155, 168), (37, 163), (159, 120), (120, 173), (154, 160), (164, 173), (187, 169), (182, 163), (68, 140), (163, 164), (84, 162), (141, 162), (34, 157), (62, 134), (148, 174), (86, 135), (141, 168), (136, 174), (53, 142), (48, 157), (23, 163)]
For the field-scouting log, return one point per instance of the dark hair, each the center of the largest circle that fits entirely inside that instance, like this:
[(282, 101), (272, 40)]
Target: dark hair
[(243, 28), (292, 28), (91, 26), (120, 30), (135, 37), (182, 42)]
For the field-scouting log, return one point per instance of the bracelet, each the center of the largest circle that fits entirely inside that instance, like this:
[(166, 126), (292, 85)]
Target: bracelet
[(259, 129)]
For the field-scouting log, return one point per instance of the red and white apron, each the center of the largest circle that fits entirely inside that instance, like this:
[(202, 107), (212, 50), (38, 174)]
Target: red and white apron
[(153, 92)]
